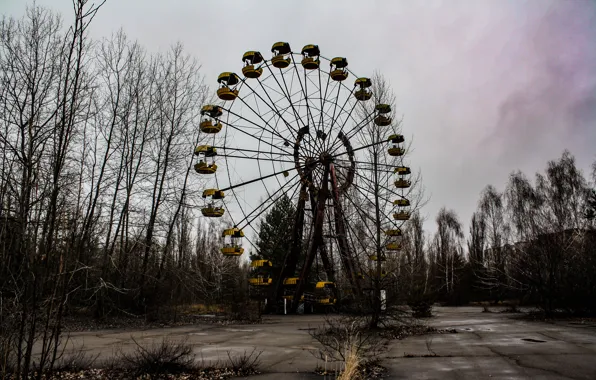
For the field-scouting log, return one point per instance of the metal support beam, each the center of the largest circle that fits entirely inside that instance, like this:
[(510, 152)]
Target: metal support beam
[(317, 239), (291, 260), (344, 250)]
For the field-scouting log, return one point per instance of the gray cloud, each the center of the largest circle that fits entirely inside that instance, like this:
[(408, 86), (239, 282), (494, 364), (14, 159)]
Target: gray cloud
[(485, 87)]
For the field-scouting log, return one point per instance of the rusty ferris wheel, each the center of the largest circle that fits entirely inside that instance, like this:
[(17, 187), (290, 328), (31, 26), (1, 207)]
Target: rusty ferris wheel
[(292, 126)]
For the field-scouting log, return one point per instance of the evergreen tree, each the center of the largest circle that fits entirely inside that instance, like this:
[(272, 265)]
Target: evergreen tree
[(275, 234)]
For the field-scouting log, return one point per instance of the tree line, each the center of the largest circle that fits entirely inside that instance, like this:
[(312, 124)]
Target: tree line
[(533, 242), (98, 203)]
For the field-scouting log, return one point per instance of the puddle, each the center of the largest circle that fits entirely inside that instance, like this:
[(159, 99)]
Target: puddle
[(242, 330), (533, 340)]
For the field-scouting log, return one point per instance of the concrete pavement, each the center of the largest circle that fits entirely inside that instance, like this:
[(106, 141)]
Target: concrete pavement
[(487, 345)]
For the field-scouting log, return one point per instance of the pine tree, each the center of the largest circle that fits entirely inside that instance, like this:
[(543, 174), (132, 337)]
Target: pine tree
[(275, 233)]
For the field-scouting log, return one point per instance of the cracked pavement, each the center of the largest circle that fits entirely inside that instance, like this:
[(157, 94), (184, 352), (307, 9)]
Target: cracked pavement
[(486, 346)]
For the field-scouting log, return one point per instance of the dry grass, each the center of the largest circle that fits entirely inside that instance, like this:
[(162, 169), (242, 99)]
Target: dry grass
[(351, 365), (200, 308)]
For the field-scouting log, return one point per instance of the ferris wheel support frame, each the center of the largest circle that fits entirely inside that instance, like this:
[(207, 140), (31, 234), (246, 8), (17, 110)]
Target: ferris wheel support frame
[(317, 239), (344, 250), (291, 260)]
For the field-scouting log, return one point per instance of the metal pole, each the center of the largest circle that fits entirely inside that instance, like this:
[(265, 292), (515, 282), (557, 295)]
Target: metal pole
[(377, 296)]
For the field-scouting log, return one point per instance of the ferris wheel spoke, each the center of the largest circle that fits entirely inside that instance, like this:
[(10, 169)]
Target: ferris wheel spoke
[(322, 97), (384, 165), (258, 210), (351, 237), (288, 95), (272, 130), (260, 178), (273, 108), (363, 190), (391, 191), (360, 148), (363, 215), (352, 132), (309, 118), (254, 137), (256, 158), (243, 150), (333, 122)]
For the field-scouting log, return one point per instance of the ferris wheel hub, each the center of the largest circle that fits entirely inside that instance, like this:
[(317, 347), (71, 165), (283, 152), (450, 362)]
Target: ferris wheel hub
[(325, 158)]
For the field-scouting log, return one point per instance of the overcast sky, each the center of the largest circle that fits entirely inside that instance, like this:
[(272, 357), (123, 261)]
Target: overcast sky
[(484, 87)]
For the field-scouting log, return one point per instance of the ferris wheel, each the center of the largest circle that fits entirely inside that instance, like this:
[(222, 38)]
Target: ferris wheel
[(298, 125)]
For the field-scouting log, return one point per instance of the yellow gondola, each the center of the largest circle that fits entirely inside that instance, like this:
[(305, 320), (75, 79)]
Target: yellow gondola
[(396, 232), (401, 202), (383, 121), (396, 151), (206, 150), (402, 170), (383, 108), (363, 82), (228, 81), (211, 209), (260, 281), (261, 264), (363, 94), (311, 57), (202, 167), (402, 215), (291, 281), (402, 183), (280, 50), (212, 212), (250, 59), (212, 111), (338, 69), (327, 301), (232, 238), (209, 126), (325, 285), (396, 139), (393, 246)]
